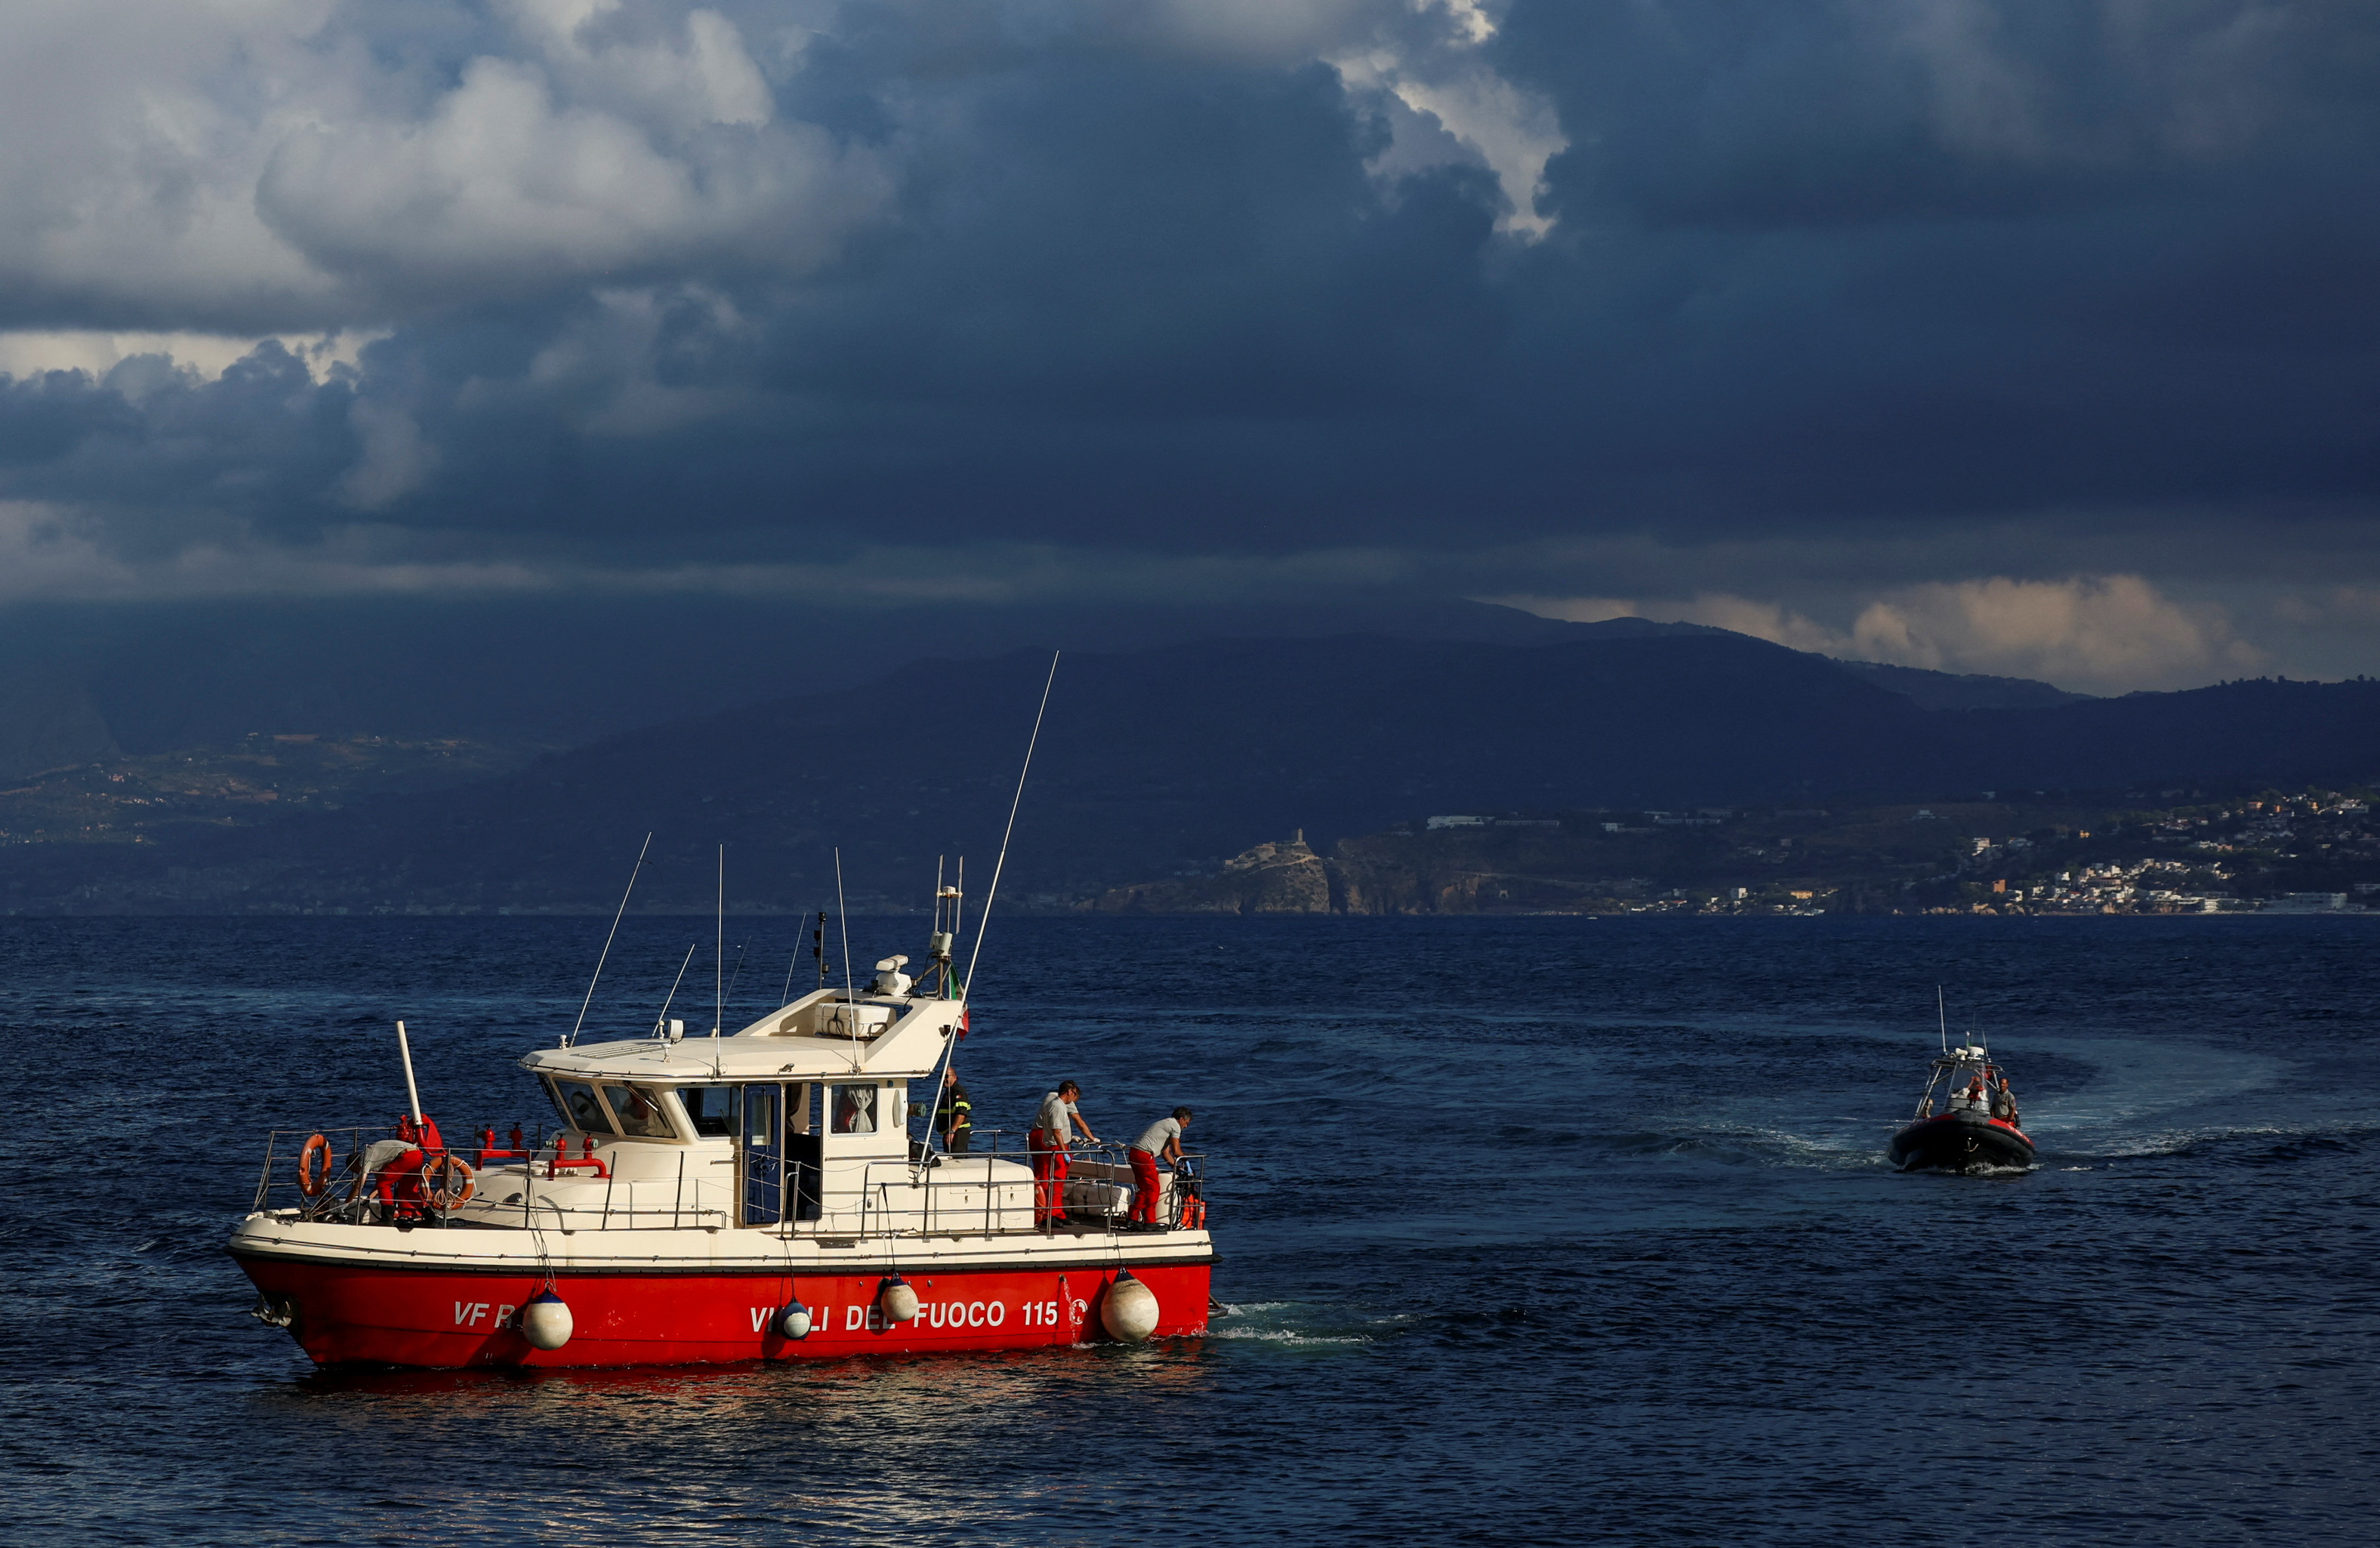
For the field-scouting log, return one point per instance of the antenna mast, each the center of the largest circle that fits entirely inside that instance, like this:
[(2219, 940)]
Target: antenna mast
[(1010, 832), (843, 914), (661, 1023), (850, 989), (944, 935), (1943, 1016), (719, 960), (793, 960), (736, 977), (607, 944)]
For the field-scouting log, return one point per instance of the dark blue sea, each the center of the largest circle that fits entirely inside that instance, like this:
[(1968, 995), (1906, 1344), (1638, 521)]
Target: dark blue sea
[(1534, 1231)]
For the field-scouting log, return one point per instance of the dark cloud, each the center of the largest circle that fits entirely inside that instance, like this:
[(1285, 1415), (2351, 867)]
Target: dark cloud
[(1968, 284)]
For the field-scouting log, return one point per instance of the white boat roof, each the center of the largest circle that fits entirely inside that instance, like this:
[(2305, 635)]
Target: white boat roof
[(898, 1036)]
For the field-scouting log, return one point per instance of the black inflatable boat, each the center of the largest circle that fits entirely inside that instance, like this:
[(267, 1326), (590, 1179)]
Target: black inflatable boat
[(1974, 1129)]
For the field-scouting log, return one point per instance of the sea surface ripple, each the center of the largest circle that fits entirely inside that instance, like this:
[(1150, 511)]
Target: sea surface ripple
[(1534, 1230)]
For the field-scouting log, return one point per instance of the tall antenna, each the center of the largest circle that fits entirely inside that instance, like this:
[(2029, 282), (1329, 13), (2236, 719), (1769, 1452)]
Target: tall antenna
[(607, 945), (737, 976), (993, 891), (941, 940), (792, 961), (660, 1022), (719, 958), (1943, 1016), (850, 997), (843, 914)]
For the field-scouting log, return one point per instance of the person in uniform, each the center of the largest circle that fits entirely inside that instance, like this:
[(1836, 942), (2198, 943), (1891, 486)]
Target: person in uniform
[(954, 1116), (1160, 1139), (1053, 1131)]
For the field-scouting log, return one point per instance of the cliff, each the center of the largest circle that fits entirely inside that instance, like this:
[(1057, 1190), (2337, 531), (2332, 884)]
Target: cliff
[(1287, 878)]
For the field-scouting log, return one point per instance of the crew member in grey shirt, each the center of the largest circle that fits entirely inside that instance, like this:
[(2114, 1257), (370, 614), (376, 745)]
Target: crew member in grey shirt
[(1060, 1117), (1053, 1131), (1163, 1137)]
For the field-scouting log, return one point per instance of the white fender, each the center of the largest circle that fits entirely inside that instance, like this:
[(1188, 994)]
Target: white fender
[(794, 1322), (1129, 1309), (898, 1301), (545, 1320)]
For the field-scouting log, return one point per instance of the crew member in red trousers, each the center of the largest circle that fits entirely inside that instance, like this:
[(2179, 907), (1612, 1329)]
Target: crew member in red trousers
[(1163, 1137), (1052, 1131), (399, 1179)]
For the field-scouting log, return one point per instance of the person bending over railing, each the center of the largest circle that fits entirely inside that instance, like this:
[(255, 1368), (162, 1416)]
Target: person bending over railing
[(1161, 1139)]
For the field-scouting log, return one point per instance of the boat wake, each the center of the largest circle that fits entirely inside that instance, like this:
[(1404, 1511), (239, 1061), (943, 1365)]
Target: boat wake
[(1856, 1147), (1294, 1324), (2252, 1145), (2135, 1082)]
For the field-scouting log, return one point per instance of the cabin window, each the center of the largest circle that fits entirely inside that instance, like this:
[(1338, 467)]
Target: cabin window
[(760, 1118), (855, 1109), (709, 1109), (638, 1108), (580, 1107)]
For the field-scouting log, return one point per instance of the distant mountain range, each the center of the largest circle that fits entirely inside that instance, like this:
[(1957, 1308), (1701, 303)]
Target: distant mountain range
[(1952, 690), (1167, 761), (83, 684)]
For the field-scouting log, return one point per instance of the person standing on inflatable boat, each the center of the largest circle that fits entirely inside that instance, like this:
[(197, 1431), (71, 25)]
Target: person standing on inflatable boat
[(1053, 1131), (1163, 1138)]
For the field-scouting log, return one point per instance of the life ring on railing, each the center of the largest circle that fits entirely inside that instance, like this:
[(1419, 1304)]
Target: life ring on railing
[(446, 1179), (314, 1168)]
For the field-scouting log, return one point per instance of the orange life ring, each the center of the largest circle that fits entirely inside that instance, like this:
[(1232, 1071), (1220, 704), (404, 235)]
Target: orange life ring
[(447, 1180), (314, 1168)]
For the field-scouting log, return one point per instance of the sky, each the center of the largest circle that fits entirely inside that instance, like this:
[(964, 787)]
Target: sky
[(2037, 337)]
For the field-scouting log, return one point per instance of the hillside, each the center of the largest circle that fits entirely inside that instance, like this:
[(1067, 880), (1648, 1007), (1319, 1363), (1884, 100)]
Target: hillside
[(2026, 855), (1166, 761), (84, 685)]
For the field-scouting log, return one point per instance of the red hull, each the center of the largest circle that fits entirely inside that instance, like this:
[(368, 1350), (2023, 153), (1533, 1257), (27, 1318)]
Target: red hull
[(442, 1321)]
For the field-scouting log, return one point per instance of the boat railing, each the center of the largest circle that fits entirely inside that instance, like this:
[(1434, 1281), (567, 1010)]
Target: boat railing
[(373, 1174), (1095, 1189), (548, 1213), (357, 1164), (355, 1185)]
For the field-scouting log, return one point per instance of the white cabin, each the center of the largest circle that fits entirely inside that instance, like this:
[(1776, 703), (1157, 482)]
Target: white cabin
[(799, 1120)]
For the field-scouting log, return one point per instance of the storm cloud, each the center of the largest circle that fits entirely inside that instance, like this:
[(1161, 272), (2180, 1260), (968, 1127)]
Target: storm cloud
[(1987, 334)]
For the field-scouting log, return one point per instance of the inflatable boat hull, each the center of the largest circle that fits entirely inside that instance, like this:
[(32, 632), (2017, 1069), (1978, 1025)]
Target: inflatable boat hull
[(1960, 1142)]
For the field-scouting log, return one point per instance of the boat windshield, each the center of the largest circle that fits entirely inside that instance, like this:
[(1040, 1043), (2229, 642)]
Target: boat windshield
[(1967, 1083), (580, 1108), (711, 1109), (640, 1110)]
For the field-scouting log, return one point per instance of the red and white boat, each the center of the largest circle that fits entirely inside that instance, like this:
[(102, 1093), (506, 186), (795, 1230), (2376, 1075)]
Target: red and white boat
[(749, 1196)]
